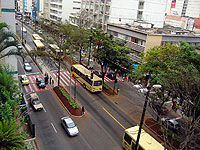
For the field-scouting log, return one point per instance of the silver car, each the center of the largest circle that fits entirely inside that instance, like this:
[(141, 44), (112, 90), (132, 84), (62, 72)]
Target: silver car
[(27, 67), (69, 125)]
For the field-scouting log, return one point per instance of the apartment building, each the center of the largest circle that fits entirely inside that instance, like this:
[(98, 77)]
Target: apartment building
[(126, 12), (61, 10), (188, 8), (142, 39)]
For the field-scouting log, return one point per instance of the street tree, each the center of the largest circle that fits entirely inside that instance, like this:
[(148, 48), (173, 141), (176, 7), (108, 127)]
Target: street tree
[(176, 68), (10, 137)]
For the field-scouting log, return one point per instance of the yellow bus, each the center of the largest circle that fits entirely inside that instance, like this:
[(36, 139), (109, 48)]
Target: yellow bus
[(87, 78), (39, 46), (146, 142), (37, 37), (56, 52)]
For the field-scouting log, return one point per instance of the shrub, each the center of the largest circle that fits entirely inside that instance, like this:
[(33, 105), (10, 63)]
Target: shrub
[(107, 87), (68, 97)]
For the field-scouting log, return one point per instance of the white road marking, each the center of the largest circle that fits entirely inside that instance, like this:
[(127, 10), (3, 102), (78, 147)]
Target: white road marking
[(54, 127), (44, 109)]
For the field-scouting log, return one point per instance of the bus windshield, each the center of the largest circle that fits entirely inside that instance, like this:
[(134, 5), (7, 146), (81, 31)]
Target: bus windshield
[(147, 142)]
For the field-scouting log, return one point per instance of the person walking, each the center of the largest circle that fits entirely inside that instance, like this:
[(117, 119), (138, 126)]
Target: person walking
[(53, 83), (83, 110), (118, 91), (50, 80)]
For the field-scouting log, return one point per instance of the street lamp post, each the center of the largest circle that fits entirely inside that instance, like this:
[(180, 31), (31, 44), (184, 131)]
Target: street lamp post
[(90, 50), (62, 36), (22, 29), (143, 114)]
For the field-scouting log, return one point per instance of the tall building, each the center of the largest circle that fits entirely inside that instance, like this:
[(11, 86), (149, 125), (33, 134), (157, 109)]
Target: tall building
[(8, 16), (61, 10), (188, 8), (126, 12)]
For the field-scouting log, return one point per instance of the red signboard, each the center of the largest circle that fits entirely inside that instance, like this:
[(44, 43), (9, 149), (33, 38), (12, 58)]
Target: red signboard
[(173, 4)]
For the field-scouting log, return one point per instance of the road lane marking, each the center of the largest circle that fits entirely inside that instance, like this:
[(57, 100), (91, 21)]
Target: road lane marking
[(54, 127), (44, 109), (113, 118)]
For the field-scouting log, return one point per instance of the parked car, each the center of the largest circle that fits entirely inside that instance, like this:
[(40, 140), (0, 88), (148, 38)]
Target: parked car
[(172, 124), (24, 80), (40, 82), (111, 76), (35, 102), (160, 110), (27, 67), (69, 126)]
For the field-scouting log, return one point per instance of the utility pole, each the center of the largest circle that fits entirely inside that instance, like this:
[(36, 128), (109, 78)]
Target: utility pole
[(22, 28), (35, 16), (90, 50)]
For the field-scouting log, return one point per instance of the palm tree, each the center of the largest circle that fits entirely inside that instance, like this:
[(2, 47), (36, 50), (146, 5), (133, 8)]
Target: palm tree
[(10, 137), (7, 39), (7, 83)]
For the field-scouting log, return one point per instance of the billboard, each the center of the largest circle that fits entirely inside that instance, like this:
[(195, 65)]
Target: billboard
[(173, 3)]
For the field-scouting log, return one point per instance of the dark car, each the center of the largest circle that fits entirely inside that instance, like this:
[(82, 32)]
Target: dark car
[(160, 110), (111, 76), (40, 82)]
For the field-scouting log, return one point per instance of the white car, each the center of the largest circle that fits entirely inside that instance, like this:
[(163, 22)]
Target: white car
[(39, 31), (69, 126), (27, 67)]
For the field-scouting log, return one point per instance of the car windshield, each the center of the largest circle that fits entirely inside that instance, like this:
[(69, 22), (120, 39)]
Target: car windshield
[(71, 125), (27, 65), (36, 101), (25, 78)]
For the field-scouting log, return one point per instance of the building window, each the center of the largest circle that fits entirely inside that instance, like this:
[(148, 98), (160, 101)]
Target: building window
[(139, 15), (76, 8), (141, 5)]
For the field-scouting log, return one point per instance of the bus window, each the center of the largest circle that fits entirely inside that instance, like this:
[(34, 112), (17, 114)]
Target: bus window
[(84, 77)]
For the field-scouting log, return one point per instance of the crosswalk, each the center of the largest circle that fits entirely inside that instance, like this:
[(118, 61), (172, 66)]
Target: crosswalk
[(32, 87), (65, 80)]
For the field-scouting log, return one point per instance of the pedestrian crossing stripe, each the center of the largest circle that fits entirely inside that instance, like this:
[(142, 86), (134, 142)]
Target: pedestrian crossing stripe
[(66, 80), (32, 87)]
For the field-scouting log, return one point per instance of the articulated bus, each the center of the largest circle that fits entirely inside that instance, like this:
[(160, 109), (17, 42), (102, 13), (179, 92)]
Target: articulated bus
[(56, 52), (37, 37), (146, 142), (87, 78), (39, 46)]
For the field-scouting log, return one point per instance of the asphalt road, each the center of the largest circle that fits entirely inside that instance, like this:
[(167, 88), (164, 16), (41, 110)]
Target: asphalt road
[(101, 128)]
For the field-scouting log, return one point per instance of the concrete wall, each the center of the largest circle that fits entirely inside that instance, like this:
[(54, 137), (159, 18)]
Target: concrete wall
[(125, 10), (8, 16), (8, 13), (152, 41)]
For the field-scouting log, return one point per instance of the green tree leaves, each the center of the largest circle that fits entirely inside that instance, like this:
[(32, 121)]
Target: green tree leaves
[(10, 137)]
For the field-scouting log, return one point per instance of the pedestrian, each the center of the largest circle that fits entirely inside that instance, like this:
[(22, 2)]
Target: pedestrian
[(118, 91), (83, 110), (50, 79), (25, 41), (53, 83)]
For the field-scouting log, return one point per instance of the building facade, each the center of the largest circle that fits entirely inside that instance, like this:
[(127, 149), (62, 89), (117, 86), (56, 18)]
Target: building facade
[(61, 10), (143, 39), (126, 12)]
